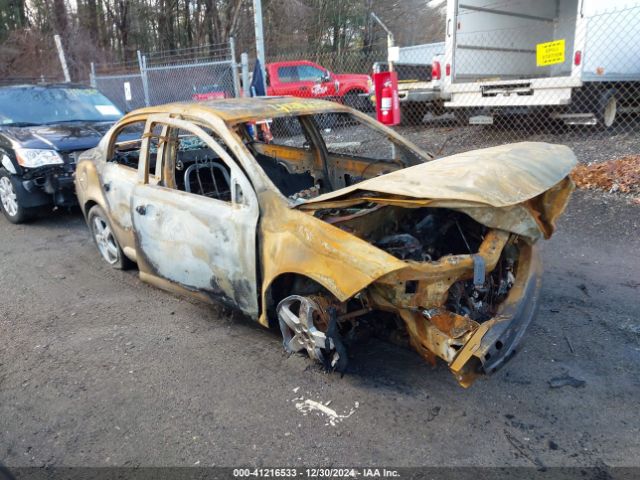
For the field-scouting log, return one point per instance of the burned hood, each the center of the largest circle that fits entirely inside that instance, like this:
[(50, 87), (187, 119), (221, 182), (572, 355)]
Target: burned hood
[(521, 187)]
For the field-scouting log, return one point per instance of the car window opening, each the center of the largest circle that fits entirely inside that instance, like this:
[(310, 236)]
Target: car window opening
[(197, 168), (307, 160), (128, 145)]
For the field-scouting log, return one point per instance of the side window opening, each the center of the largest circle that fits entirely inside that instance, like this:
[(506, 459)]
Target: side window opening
[(128, 143), (294, 163), (309, 73), (289, 168), (288, 74), (197, 168)]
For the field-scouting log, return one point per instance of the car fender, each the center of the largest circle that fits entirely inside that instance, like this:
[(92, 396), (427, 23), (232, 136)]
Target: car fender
[(294, 242)]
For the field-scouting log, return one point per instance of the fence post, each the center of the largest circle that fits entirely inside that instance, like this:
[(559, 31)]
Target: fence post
[(234, 67), (62, 57), (142, 63), (92, 75), (244, 61)]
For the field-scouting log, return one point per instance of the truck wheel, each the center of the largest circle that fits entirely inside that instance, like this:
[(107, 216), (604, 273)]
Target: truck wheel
[(607, 110), (9, 202), (105, 239), (412, 114), (462, 116), (437, 108), (355, 101)]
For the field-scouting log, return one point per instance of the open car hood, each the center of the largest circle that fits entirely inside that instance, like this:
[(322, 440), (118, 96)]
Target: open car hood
[(520, 187)]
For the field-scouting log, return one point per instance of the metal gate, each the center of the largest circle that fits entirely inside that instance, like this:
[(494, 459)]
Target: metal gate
[(199, 73)]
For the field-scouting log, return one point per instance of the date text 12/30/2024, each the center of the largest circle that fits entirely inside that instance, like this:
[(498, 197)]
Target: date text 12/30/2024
[(315, 473)]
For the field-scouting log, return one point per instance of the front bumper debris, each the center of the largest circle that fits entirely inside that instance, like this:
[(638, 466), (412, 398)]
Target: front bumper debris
[(471, 348), (48, 185)]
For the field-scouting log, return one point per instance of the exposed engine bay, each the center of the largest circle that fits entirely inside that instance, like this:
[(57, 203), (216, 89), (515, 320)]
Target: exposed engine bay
[(404, 310)]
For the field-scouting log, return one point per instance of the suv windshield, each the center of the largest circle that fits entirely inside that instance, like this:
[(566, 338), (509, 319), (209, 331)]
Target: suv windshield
[(41, 105)]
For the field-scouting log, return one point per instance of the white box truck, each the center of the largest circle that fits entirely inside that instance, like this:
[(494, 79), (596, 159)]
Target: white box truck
[(575, 60)]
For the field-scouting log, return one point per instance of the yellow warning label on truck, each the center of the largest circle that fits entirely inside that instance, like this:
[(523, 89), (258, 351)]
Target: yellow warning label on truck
[(550, 53)]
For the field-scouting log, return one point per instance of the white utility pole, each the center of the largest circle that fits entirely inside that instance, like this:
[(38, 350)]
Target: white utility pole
[(257, 18), (63, 60)]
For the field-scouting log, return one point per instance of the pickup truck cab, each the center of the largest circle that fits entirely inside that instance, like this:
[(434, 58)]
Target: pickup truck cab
[(303, 78)]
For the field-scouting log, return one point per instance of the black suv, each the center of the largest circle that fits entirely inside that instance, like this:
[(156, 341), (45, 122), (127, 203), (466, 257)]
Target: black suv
[(43, 128)]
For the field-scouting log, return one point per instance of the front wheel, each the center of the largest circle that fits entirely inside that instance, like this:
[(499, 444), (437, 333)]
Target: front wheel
[(105, 239), (13, 211)]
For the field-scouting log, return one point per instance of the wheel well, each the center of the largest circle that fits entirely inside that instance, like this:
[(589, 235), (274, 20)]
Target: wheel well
[(289, 284), (88, 206)]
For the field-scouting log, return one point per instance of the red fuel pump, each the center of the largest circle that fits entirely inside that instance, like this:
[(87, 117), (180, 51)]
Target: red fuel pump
[(387, 101)]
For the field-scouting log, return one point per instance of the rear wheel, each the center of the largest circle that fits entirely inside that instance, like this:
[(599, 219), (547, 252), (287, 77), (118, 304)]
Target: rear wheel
[(607, 110), (105, 239), (412, 114), (13, 211)]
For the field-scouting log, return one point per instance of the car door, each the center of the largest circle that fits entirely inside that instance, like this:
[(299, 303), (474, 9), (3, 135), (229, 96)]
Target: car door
[(315, 81), (287, 82), (120, 172), (202, 243)]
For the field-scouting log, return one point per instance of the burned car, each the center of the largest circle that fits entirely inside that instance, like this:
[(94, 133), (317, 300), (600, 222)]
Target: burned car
[(43, 130), (328, 232)]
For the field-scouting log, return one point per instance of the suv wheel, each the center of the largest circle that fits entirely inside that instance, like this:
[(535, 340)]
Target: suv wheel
[(9, 203)]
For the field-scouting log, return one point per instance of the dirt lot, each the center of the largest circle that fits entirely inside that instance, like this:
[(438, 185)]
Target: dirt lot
[(97, 368)]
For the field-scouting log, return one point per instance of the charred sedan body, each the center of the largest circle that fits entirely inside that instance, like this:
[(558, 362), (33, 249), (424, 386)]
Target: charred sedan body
[(327, 232), (43, 129)]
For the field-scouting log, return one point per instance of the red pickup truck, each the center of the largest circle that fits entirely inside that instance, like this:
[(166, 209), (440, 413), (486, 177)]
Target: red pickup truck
[(302, 78)]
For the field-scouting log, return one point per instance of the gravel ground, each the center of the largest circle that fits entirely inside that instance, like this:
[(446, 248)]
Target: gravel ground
[(99, 369)]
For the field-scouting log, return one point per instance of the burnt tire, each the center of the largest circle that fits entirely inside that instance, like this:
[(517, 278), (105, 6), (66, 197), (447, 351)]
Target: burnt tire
[(105, 239), (10, 201)]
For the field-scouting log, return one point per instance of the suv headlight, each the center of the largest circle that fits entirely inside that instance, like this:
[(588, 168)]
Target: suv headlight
[(36, 157)]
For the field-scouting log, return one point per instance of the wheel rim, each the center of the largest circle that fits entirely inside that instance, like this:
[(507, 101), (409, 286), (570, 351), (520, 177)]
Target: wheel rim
[(8, 197), (610, 112), (296, 314), (105, 240)]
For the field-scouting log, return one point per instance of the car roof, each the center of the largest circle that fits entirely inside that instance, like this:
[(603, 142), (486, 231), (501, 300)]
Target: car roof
[(235, 110)]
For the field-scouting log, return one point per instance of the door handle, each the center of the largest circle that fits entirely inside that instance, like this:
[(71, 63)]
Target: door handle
[(141, 209), (303, 88)]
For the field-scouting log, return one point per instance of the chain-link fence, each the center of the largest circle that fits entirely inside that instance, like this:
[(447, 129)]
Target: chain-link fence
[(561, 71), (191, 74)]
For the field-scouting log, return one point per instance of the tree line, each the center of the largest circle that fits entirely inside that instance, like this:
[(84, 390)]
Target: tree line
[(108, 31)]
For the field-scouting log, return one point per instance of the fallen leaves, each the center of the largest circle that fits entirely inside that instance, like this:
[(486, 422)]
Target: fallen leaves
[(618, 175)]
